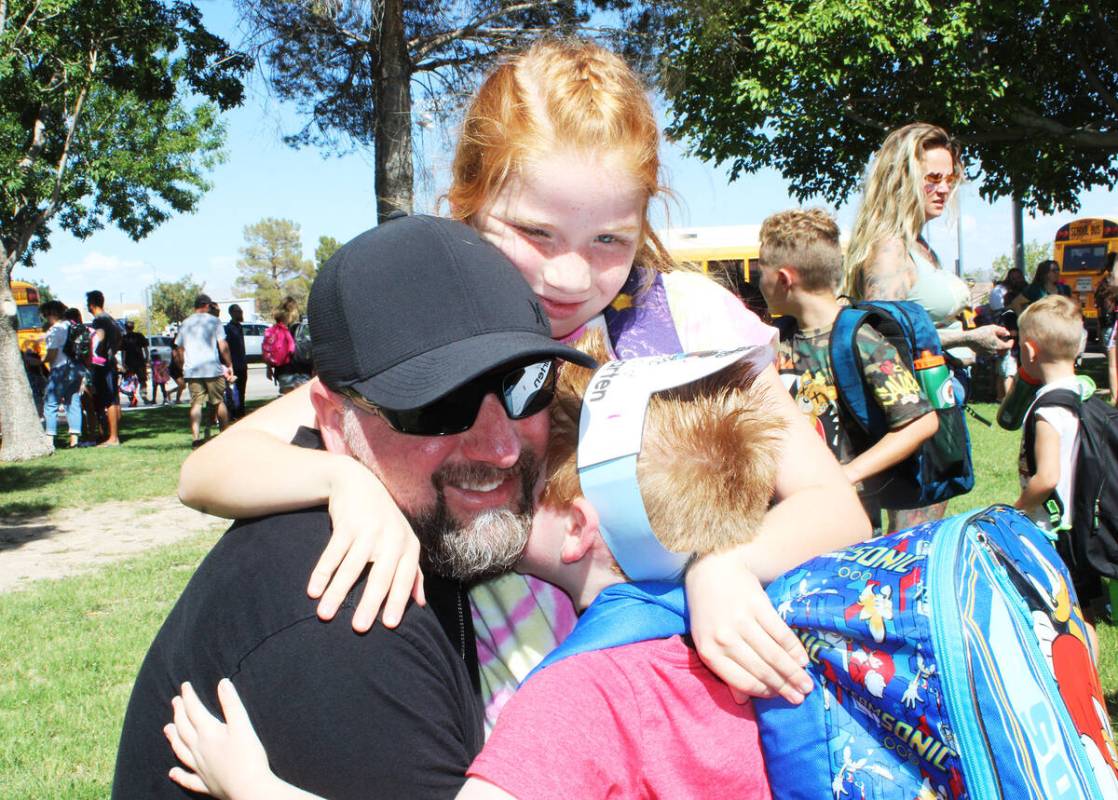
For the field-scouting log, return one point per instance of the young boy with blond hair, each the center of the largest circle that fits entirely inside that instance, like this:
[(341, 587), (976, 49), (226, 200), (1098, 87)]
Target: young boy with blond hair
[(1050, 332), (801, 271)]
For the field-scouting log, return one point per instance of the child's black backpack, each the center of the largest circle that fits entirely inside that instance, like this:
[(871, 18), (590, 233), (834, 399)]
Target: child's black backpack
[(1093, 538), (303, 354), (78, 343)]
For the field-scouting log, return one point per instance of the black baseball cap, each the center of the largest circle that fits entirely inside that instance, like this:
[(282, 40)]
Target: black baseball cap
[(409, 311)]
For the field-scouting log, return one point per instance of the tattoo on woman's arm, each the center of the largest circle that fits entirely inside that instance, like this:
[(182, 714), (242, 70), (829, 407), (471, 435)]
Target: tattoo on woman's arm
[(886, 276), (886, 284)]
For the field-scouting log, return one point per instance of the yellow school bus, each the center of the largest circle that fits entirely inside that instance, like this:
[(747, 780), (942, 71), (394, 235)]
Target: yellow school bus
[(1081, 249), (29, 325), (728, 253)]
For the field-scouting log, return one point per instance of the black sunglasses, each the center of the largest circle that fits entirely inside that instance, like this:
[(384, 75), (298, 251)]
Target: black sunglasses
[(523, 391)]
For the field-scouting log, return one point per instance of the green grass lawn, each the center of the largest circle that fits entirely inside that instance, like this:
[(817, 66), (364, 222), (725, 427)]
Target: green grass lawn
[(155, 443), (71, 648)]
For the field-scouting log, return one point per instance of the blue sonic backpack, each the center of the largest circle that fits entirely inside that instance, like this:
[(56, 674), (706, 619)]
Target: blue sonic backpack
[(941, 468), (951, 661)]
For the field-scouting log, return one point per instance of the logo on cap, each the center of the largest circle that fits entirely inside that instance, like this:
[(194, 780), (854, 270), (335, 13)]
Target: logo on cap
[(540, 319)]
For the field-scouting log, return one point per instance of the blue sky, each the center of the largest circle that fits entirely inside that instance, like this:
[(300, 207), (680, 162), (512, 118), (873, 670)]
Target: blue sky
[(262, 177)]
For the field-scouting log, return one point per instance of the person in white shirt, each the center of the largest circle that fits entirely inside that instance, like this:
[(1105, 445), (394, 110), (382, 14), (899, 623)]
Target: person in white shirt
[(206, 364), (1052, 336)]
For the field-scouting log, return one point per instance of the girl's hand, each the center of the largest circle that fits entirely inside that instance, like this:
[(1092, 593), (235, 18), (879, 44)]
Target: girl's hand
[(368, 527), (224, 759), (739, 635)]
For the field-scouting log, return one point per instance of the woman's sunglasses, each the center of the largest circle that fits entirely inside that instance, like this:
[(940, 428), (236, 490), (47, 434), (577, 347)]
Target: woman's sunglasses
[(523, 391), (934, 179)]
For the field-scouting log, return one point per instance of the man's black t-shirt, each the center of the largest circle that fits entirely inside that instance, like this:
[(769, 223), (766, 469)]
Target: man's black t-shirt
[(391, 713), (132, 348), (235, 338), (111, 335)]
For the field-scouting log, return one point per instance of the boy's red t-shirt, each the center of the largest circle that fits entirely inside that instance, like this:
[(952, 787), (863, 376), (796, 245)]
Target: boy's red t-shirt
[(641, 720)]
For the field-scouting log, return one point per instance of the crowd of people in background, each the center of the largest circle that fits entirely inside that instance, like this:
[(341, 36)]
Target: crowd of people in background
[(79, 375), (89, 368)]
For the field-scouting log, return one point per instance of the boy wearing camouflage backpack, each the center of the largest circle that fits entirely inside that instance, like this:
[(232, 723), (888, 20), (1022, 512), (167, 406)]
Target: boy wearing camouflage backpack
[(801, 269)]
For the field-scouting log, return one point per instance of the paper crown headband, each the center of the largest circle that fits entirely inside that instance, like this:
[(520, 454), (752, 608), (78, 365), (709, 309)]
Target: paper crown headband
[(611, 427)]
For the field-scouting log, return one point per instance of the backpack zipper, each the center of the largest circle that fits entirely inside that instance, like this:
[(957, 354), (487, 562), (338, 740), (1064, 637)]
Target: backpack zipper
[(964, 725)]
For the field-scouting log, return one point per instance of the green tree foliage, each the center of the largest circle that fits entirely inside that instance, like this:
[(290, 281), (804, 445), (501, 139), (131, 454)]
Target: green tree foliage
[(327, 246), (1035, 252), (45, 292), (272, 264), (352, 67), (173, 301), (811, 87), (94, 130), (151, 320)]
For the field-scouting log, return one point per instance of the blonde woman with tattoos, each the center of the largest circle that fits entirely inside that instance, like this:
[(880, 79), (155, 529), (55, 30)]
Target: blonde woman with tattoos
[(911, 180)]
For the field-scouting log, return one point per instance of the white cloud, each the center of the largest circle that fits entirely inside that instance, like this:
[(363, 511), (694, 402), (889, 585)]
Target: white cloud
[(97, 264)]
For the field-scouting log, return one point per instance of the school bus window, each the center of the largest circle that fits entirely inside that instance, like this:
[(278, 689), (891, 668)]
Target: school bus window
[(1084, 257), (29, 317)]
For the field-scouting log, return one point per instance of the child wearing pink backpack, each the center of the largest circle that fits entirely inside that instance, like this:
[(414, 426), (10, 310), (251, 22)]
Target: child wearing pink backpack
[(287, 364)]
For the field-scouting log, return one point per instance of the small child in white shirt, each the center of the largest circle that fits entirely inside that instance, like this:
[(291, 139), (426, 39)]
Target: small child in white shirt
[(1051, 336)]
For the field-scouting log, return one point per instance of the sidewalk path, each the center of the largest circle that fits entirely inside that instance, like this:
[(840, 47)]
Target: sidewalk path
[(70, 541)]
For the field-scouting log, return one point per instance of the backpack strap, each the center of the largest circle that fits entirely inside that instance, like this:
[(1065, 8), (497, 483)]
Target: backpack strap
[(1057, 398), (855, 402), (903, 321), (640, 322)]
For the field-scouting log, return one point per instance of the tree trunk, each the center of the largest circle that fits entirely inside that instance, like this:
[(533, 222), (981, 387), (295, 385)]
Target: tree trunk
[(23, 436), (1018, 236), (392, 107)]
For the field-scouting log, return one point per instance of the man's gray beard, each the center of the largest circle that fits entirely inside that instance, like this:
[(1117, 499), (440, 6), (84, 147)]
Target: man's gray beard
[(490, 544), (487, 545)]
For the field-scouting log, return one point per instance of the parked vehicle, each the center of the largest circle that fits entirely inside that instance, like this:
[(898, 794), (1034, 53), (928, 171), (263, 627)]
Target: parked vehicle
[(163, 345), (1082, 248), (254, 338)]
